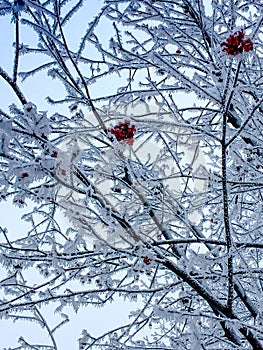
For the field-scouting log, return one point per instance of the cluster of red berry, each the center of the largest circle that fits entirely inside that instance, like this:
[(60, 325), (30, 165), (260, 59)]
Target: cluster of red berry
[(124, 131), (236, 44), (54, 154), (147, 260), (24, 175)]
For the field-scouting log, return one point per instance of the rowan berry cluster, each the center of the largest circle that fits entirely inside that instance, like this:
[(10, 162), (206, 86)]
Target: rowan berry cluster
[(24, 175), (54, 154), (124, 131), (236, 44), (147, 260)]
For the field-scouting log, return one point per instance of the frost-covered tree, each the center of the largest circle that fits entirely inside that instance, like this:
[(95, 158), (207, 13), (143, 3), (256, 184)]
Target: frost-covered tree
[(153, 154)]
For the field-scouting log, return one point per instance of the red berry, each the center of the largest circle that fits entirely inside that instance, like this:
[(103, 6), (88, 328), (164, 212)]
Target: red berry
[(54, 154), (247, 45), (147, 260), (23, 175)]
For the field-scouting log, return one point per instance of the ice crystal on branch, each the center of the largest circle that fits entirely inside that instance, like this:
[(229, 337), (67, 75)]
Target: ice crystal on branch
[(174, 222)]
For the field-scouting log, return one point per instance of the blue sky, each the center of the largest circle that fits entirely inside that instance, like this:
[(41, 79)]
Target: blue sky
[(36, 89), (96, 321)]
